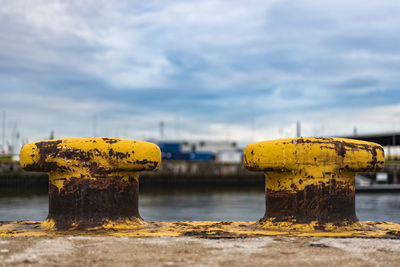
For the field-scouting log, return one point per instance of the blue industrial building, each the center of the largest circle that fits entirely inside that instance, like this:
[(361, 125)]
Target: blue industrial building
[(173, 151)]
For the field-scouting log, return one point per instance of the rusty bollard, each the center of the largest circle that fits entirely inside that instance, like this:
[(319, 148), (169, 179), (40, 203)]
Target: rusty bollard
[(310, 182), (92, 181)]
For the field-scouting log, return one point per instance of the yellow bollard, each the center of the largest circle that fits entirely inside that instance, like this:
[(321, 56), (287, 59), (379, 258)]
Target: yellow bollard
[(310, 181), (92, 181)]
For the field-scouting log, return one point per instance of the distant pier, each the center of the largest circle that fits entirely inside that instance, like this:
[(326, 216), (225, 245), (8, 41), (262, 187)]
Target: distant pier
[(182, 173), (170, 173)]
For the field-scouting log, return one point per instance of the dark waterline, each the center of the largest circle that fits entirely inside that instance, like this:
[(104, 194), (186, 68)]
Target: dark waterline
[(201, 203)]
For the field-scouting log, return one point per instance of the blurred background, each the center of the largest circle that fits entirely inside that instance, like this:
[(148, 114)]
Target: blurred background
[(202, 79)]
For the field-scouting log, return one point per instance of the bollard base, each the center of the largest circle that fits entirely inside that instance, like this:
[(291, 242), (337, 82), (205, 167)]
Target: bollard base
[(121, 223), (272, 224), (203, 229)]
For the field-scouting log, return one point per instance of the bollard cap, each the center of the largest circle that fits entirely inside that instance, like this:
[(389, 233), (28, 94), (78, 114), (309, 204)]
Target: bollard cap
[(95, 153), (294, 154)]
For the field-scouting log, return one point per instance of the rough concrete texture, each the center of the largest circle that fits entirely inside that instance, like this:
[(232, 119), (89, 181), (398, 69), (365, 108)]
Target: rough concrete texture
[(184, 251)]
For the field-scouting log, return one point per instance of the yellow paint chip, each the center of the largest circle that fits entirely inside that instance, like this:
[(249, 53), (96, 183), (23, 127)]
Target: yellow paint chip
[(205, 229)]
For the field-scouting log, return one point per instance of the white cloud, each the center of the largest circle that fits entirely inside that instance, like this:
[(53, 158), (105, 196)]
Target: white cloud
[(269, 61), (127, 43)]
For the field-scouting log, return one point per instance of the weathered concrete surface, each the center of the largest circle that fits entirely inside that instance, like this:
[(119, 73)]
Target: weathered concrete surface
[(184, 251)]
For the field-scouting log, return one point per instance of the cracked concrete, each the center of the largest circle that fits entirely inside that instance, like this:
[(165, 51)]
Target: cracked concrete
[(184, 251)]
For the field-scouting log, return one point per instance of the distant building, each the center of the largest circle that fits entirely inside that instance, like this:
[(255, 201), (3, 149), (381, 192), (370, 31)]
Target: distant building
[(223, 151)]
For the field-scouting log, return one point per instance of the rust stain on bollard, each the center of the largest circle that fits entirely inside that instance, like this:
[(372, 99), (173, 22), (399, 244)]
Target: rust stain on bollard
[(92, 181), (310, 181)]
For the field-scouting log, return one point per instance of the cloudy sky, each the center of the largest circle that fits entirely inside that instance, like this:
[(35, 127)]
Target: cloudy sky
[(237, 70)]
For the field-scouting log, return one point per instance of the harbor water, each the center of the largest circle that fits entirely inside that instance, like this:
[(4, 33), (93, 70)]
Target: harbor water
[(200, 203)]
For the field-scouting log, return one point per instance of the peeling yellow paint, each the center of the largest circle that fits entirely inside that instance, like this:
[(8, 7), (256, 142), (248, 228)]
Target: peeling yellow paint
[(293, 164), (91, 179), (297, 153), (48, 224), (99, 148), (121, 224), (310, 182), (309, 227), (119, 157), (205, 229)]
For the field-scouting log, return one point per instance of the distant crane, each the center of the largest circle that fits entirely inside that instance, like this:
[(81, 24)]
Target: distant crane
[(298, 129), (94, 125), (161, 128), (4, 134)]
